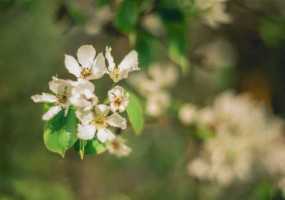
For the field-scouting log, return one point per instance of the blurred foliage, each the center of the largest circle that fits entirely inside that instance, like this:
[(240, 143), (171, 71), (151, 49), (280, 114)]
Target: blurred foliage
[(34, 37)]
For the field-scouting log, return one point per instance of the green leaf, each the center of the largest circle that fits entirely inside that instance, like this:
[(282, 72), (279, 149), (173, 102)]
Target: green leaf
[(263, 191), (94, 147), (272, 31), (76, 14), (177, 45), (60, 132), (146, 45), (90, 147), (101, 3), (204, 133), (176, 26), (135, 113), (127, 16)]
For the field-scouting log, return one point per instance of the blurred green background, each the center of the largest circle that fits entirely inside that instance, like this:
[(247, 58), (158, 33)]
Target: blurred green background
[(35, 35)]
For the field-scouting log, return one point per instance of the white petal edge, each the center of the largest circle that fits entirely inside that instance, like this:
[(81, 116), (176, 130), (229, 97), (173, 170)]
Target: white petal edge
[(51, 113), (110, 59), (105, 135), (44, 98), (102, 109), (130, 62), (117, 121), (86, 55), (84, 117), (86, 132), (72, 65), (99, 67)]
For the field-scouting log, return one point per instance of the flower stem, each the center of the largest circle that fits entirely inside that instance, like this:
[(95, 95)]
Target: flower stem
[(81, 150)]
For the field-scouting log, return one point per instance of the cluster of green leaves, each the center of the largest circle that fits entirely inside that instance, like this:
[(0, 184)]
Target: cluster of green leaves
[(60, 133), (129, 18)]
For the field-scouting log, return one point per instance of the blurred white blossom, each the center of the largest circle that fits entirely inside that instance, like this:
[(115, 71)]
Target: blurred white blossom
[(187, 113), (154, 86), (217, 54), (99, 18), (213, 12), (244, 132), (157, 103), (153, 24)]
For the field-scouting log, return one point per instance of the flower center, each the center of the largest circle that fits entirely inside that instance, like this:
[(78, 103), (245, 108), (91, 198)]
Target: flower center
[(85, 72), (100, 122), (62, 99), (118, 101), (116, 74), (116, 145)]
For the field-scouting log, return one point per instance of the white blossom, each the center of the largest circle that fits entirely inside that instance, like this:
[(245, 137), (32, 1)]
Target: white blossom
[(99, 121), (118, 98), (88, 67), (128, 64), (59, 99), (94, 120), (82, 95)]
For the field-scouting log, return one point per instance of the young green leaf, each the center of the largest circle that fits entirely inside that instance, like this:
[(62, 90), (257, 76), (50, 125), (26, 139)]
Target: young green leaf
[(127, 16), (177, 45), (147, 47), (60, 132), (176, 26), (135, 113)]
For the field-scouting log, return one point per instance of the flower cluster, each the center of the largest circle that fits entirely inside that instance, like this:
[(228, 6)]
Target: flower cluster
[(245, 135), (153, 86), (96, 119), (213, 12)]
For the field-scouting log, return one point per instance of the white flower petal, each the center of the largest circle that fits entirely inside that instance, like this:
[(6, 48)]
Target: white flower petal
[(129, 63), (86, 55), (118, 99), (115, 92), (117, 121), (105, 135), (51, 113), (44, 97), (60, 86), (85, 117), (84, 87), (99, 67), (86, 132), (72, 65), (110, 59), (102, 109)]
